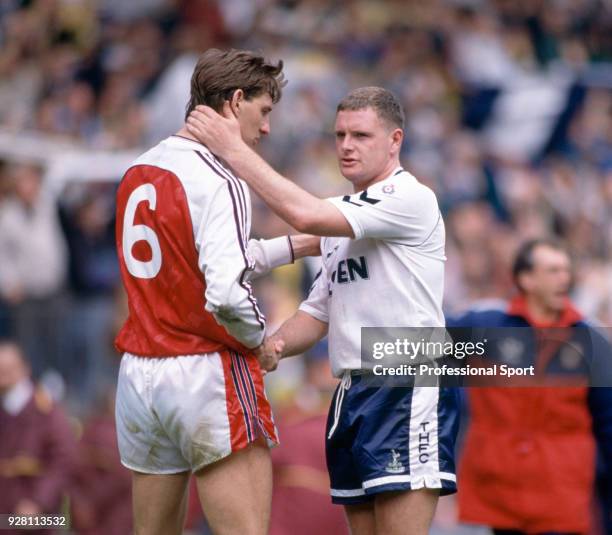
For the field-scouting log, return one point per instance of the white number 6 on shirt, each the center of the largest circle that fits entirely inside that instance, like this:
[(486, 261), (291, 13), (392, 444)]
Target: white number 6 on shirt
[(134, 233)]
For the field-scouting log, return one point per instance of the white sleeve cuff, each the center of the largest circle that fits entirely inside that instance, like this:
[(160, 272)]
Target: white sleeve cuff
[(277, 251), (255, 340), (268, 254)]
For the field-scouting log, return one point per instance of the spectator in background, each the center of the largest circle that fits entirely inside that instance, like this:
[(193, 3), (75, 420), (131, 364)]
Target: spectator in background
[(37, 445), (300, 499), (5, 319), (33, 267), (528, 465), (88, 224), (101, 494)]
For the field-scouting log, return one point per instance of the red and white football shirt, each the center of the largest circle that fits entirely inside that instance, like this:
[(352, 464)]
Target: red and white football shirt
[(183, 222)]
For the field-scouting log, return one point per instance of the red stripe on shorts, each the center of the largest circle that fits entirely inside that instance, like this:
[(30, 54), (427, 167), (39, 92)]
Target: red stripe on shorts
[(235, 414), (241, 389), (264, 411)]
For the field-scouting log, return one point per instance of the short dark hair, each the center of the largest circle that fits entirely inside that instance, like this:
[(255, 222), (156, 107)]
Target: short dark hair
[(381, 100), (219, 73), (523, 261)]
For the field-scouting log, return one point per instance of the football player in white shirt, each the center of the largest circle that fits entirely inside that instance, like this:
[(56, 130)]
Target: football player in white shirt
[(390, 451)]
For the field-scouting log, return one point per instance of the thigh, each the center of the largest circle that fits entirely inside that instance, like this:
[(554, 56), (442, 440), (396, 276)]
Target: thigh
[(405, 513), (236, 492), (159, 503)]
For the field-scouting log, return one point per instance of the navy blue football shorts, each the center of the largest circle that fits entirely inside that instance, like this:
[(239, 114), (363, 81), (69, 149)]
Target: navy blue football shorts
[(390, 438)]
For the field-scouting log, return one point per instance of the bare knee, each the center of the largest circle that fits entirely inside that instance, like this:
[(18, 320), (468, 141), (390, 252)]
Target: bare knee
[(159, 503), (406, 512)]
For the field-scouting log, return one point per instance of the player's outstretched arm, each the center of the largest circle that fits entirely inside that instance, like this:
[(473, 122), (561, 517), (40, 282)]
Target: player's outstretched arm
[(269, 254), (303, 211), (305, 245), (298, 334)]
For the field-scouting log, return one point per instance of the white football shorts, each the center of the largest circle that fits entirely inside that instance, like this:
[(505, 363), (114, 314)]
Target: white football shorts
[(176, 414)]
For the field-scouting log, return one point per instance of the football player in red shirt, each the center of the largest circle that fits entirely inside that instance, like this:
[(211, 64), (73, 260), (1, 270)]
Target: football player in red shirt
[(190, 396)]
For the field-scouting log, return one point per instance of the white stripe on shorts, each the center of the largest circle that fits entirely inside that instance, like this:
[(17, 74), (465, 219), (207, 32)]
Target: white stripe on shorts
[(347, 493), (423, 438), (407, 478)]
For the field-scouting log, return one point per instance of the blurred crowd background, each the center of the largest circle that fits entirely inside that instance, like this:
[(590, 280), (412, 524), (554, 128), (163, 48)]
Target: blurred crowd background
[(509, 120)]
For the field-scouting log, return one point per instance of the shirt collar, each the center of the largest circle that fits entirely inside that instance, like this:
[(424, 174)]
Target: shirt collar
[(570, 316), (178, 138)]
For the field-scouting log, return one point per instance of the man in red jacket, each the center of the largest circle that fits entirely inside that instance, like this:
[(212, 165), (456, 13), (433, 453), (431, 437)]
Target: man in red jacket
[(528, 464)]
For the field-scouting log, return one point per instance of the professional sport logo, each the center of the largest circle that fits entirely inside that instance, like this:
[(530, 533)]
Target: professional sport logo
[(389, 189), (394, 466)]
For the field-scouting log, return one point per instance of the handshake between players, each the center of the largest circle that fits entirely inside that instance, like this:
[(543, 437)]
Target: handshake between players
[(269, 353)]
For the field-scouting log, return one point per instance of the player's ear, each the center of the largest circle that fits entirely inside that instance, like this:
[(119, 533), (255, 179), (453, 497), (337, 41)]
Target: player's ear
[(524, 281), (236, 101), (397, 136)]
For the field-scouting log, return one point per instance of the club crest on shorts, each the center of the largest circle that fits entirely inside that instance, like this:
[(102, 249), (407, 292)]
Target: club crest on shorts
[(394, 466), (389, 189)]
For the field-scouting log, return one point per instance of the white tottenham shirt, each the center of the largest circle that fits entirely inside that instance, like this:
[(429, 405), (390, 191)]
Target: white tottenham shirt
[(390, 275)]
